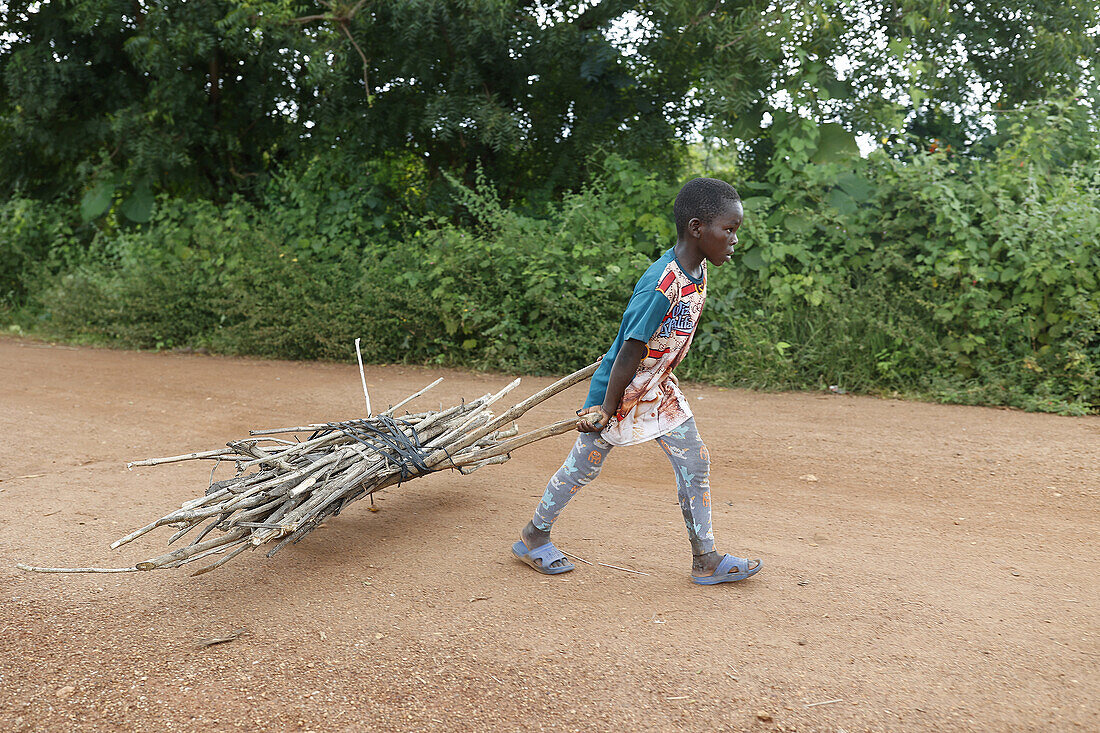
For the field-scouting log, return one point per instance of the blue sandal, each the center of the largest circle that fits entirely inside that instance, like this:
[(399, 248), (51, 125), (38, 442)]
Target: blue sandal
[(722, 574), (545, 554)]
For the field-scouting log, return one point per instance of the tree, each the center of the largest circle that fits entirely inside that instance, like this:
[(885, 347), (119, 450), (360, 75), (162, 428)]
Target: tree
[(138, 95), (110, 98), (936, 69)]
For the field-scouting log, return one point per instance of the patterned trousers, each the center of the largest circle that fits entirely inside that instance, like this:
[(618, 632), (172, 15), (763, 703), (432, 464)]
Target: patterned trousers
[(690, 462)]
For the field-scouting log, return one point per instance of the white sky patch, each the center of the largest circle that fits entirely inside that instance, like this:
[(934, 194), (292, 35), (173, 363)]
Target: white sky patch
[(546, 15), (627, 32), (570, 120)]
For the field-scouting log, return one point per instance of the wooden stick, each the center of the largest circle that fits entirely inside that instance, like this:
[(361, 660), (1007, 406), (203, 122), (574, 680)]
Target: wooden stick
[(557, 428), (224, 560), (221, 639), (258, 452), (207, 499), (625, 570), (440, 417), (259, 511), (185, 552), (569, 554), (179, 516), (314, 427), (296, 449), (139, 532), (185, 457), (824, 702), (34, 569), (196, 557), (362, 376), (209, 527), (489, 400), (466, 470), (411, 397), (295, 475), (515, 412), (187, 528)]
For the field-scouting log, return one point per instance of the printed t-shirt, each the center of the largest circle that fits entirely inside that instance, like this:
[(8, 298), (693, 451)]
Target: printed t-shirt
[(662, 313)]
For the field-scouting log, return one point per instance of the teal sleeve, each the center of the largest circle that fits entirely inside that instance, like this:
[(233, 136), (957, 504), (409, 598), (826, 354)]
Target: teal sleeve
[(643, 315)]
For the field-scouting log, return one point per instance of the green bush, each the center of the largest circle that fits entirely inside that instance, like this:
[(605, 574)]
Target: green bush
[(967, 280), (33, 237), (964, 280)]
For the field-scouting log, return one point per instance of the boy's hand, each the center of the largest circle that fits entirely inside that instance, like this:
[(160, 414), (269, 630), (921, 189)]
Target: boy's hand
[(592, 419)]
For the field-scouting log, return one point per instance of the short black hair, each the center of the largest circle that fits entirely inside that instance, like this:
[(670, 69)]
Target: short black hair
[(702, 199)]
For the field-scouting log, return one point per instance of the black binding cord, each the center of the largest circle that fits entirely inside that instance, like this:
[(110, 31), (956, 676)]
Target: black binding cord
[(384, 435)]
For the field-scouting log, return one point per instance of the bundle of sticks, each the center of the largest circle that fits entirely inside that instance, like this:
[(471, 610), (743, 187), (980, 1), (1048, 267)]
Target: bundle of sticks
[(283, 489)]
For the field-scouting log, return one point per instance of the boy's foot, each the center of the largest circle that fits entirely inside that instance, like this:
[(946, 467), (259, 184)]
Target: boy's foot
[(534, 537), (703, 566)]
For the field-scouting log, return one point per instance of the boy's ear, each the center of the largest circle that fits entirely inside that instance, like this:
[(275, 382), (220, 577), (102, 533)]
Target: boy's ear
[(694, 225)]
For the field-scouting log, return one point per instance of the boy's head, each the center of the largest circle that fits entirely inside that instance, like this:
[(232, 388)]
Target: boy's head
[(702, 199)]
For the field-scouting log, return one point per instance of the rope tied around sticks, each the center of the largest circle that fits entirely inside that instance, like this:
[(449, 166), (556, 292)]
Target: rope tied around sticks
[(384, 435)]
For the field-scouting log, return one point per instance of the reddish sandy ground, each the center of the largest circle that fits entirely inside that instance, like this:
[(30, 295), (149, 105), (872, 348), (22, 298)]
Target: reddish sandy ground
[(941, 573)]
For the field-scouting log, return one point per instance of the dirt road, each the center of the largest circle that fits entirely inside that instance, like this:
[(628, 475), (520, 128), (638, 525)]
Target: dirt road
[(939, 574)]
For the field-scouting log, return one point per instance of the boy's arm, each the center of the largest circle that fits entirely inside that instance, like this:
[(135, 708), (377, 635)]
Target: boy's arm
[(626, 364)]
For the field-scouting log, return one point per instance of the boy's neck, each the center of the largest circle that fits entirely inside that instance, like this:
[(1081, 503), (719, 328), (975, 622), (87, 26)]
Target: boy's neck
[(689, 257)]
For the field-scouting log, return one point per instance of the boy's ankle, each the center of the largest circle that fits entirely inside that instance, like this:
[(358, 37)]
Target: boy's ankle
[(706, 562), (533, 536)]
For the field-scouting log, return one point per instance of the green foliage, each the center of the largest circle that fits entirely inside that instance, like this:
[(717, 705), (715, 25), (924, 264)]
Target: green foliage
[(236, 280), (522, 292), (932, 70), (34, 239), (981, 274), (98, 95), (109, 102), (222, 278), (962, 280), (331, 202)]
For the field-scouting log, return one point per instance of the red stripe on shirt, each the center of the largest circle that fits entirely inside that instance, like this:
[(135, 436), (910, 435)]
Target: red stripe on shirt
[(689, 289), (666, 282)]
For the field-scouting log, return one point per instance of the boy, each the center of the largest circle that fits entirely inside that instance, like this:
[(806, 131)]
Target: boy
[(634, 396)]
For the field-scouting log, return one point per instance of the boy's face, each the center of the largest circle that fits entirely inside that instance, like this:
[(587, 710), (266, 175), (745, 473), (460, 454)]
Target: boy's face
[(718, 238)]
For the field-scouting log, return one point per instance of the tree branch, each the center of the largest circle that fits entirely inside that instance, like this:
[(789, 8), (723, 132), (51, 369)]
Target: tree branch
[(342, 21), (366, 80), (310, 18), (355, 9), (333, 16)]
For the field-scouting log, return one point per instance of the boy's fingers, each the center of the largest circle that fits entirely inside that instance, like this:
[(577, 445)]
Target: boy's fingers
[(592, 420)]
